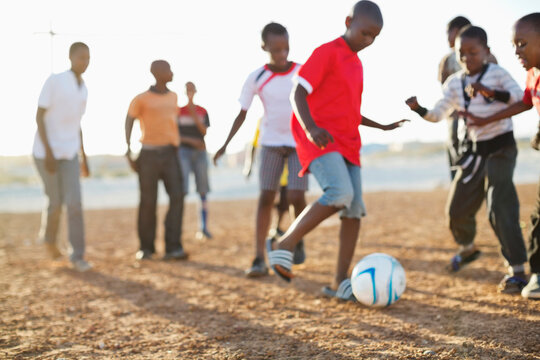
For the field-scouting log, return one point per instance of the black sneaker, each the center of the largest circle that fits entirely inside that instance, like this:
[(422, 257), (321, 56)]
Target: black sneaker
[(258, 268), (299, 255), (143, 255), (179, 254), (512, 284)]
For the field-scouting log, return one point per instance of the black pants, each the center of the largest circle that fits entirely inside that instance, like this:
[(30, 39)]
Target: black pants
[(534, 237), (492, 182), (154, 165)]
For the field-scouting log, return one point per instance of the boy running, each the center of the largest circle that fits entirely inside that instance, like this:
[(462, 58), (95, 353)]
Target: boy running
[(487, 167), (157, 109), (272, 83), (527, 43), (326, 102), (57, 141), (193, 121)]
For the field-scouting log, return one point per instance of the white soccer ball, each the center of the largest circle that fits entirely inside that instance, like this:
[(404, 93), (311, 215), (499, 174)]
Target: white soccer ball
[(378, 280)]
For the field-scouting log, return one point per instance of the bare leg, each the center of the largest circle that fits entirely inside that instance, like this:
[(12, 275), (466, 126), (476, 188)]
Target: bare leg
[(298, 200), (312, 216), (348, 237), (264, 216)]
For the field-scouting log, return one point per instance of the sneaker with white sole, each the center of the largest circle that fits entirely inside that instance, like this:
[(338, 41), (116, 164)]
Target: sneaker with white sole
[(258, 268), (532, 290), (512, 284), (81, 265)]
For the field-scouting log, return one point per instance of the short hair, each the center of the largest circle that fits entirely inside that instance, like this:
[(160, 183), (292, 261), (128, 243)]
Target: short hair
[(273, 28), (474, 32), (533, 20), (369, 9), (457, 23), (76, 46)]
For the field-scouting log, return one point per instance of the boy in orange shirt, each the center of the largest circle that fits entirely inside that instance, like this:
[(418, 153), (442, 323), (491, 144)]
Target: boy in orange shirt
[(156, 110)]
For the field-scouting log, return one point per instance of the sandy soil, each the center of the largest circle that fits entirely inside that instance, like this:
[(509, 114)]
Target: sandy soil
[(205, 308)]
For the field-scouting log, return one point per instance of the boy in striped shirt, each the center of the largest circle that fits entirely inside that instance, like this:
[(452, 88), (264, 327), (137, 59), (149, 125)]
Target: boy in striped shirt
[(487, 163), (526, 40)]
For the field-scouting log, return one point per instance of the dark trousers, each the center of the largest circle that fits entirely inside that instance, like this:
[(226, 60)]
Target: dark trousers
[(492, 181), (154, 165), (534, 237)]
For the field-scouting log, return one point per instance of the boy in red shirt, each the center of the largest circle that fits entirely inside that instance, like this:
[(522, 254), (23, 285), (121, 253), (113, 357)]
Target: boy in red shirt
[(527, 43), (326, 102)]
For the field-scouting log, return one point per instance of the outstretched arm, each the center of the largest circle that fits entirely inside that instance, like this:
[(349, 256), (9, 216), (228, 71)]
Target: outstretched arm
[(234, 129), (374, 124), (317, 135)]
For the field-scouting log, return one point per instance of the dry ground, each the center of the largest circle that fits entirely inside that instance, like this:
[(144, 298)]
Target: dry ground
[(204, 308)]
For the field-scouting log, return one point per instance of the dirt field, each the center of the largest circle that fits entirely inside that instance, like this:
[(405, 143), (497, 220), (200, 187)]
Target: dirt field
[(204, 308)]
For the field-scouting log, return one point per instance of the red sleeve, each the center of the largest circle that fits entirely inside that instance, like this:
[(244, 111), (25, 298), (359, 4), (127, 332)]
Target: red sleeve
[(527, 95), (315, 68)]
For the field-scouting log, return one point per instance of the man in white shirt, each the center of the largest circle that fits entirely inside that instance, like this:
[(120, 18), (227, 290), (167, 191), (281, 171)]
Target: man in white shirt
[(57, 141)]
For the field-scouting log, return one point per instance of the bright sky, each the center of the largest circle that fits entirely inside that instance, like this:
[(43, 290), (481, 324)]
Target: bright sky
[(216, 44)]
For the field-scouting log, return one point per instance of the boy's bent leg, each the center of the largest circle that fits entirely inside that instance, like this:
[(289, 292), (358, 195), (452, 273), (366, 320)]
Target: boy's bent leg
[(148, 170), (312, 216), (503, 206), (71, 189), (464, 200), (331, 172), (50, 217), (172, 179)]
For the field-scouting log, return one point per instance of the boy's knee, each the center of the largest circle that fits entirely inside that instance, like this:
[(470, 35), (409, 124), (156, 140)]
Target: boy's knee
[(338, 197)]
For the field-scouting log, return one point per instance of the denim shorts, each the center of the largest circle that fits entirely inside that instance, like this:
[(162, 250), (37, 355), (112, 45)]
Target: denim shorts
[(341, 183), (196, 161)]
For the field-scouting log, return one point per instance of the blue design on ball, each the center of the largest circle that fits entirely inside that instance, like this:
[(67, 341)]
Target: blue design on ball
[(371, 271)]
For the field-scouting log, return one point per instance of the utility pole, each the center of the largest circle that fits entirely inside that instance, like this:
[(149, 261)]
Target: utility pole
[(51, 35)]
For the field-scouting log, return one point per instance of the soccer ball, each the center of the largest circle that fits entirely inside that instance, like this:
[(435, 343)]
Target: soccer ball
[(378, 280)]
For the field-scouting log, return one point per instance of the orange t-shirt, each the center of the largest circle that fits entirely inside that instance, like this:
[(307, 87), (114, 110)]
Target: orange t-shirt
[(157, 115)]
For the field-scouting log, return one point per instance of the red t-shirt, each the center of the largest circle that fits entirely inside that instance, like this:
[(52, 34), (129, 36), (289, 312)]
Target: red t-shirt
[(333, 78), (531, 96)]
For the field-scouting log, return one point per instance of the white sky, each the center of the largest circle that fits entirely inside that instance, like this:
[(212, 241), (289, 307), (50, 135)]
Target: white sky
[(216, 44)]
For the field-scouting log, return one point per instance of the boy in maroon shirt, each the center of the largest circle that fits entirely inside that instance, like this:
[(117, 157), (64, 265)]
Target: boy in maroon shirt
[(326, 102), (526, 40)]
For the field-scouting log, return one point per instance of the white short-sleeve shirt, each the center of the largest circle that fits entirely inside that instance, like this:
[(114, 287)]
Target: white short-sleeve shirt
[(65, 102), (274, 90)]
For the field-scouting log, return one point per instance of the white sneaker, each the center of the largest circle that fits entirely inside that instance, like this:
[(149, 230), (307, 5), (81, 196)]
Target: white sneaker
[(81, 265), (532, 290)]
